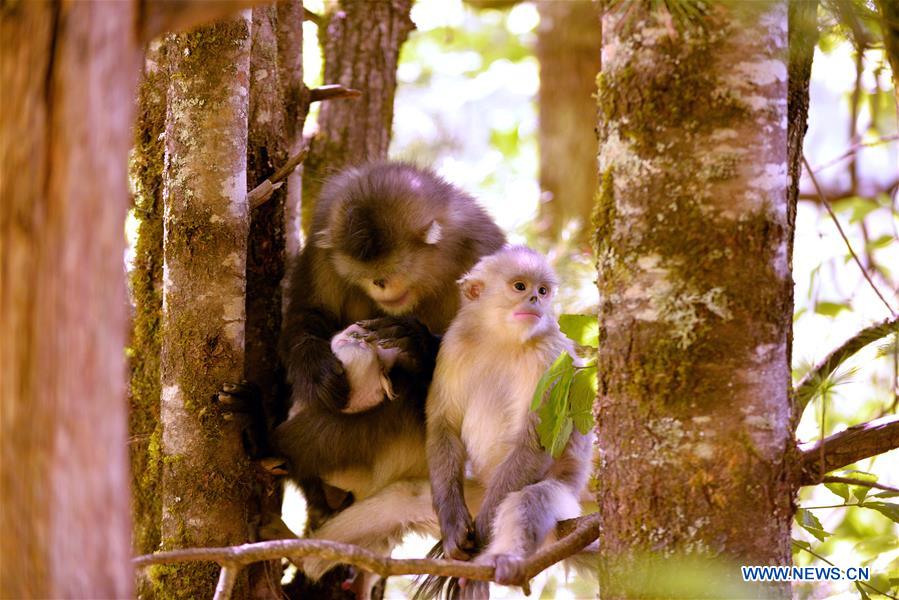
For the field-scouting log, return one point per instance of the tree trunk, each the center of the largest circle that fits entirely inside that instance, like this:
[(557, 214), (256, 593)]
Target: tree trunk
[(146, 289), (569, 43), (693, 239), (68, 73), (275, 133), (206, 480), (361, 51)]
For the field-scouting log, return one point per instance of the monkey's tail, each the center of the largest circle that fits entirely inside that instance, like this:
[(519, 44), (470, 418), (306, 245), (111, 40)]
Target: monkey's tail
[(436, 587)]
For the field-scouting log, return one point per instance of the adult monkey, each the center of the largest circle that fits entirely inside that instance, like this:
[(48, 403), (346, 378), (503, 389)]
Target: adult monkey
[(389, 240)]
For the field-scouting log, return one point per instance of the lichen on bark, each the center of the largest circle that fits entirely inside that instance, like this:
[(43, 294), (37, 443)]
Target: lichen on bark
[(695, 312), (206, 478)]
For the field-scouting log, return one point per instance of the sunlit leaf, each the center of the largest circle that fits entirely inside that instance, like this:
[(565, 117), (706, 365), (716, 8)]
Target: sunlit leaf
[(860, 491), (882, 241), (551, 377), (583, 329), (583, 393), (840, 489), (830, 309)]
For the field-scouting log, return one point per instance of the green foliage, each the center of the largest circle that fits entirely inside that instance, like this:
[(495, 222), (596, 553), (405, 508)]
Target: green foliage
[(563, 399)]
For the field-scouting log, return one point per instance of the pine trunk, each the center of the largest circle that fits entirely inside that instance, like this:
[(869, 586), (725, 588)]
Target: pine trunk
[(68, 73), (206, 477), (569, 42), (693, 240)]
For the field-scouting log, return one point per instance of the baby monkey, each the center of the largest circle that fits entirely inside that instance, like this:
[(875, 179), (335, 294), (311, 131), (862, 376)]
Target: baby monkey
[(367, 365), (478, 408)]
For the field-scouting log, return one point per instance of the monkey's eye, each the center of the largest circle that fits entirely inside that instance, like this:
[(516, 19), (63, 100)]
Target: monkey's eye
[(520, 286), (542, 290)]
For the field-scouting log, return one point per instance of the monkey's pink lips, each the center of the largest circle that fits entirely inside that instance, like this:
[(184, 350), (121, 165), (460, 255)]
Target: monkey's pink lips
[(395, 303), (524, 314)]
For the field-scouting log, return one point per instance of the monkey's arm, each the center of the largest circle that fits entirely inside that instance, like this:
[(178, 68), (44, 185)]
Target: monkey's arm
[(527, 463), (446, 465), (313, 371)]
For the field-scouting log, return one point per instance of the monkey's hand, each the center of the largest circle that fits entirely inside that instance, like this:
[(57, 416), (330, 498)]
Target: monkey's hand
[(458, 535), (317, 375), (416, 344), (245, 399)]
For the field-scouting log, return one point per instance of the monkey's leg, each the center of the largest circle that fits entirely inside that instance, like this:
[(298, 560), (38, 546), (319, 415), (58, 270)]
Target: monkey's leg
[(379, 522), (523, 521)]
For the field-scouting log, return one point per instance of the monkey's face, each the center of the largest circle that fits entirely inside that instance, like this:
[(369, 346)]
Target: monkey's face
[(513, 291), (397, 280)]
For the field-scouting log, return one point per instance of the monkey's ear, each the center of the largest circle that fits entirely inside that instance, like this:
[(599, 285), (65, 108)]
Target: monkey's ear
[(434, 233), (471, 288)]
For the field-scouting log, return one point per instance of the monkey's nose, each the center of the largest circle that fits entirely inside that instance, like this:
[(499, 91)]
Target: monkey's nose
[(533, 299), (381, 283)]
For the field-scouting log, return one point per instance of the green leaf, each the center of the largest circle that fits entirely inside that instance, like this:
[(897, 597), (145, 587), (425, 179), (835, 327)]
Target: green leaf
[(552, 413), (840, 489), (802, 544), (886, 495), (861, 591), (583, 393), (561, 438), (887, 509), (583, 329), (809, 522), (883, 241), (830, 309), (551, 377), (860, 491)]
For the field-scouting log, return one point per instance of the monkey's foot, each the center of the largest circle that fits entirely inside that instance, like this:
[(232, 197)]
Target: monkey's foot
[(508, 569), (274, 465)]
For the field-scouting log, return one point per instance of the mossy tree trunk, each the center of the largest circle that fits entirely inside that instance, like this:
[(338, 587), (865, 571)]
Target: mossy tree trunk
[(693, 242), (276, 115), (206, 477), (67, 75), (361, 45), (569, 43), (145, 429)]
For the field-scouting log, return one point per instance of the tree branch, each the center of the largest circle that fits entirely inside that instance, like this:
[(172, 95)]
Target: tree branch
[(851, 481), (836, 222), (580, 532), (162, 16), (262, 192), (312, 17), (844, 448), (332, 92), (806, 387)]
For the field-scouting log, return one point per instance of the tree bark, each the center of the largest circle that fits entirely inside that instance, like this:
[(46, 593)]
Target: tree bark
[(275, 128), (206, 477), (569, 43), (361, 51), (146, 295), (693, 238), (68, 73)]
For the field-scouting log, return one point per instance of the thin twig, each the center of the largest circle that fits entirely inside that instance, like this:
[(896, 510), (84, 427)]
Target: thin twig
[(853, 149), (312, 17), (262, 192), (819, 557), (836, 221), (806, 387), (851, 481), (846, 447), (332, 92), (227, 579)]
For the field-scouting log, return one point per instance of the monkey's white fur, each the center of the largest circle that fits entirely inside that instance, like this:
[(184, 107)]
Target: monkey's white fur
[(500, 343)]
